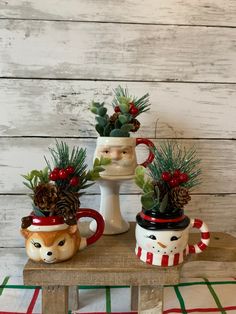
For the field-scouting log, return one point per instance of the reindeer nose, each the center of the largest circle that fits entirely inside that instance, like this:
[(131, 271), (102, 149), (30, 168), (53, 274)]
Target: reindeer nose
[(49, 253)]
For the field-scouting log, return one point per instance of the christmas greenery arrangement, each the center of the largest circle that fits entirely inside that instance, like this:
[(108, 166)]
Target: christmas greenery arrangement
[(173, 172), (124, 119), (57, 188)]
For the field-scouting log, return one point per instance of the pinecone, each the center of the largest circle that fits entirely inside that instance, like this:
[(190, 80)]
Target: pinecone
[(179, 196), (114, 117), (136, 125), (46, 196), (67, 205)]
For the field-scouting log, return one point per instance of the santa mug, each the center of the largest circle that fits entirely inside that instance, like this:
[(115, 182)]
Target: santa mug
[(163, 241), (122, 152), (51, 240)]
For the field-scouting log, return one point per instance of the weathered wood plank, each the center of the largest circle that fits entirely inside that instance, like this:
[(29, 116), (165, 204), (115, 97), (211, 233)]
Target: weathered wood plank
[(55, 300), (20, 155), (206, 207), (150, 300), (12, 261), (194, 12), (60, 108), (139, 52)]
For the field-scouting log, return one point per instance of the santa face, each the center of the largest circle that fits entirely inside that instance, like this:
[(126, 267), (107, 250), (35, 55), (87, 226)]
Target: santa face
[(163, 242), (123, 161), (121, 152)]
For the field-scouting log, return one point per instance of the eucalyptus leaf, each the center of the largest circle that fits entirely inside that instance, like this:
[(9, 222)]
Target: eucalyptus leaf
[(148, 201), (123, 119), (164, 203)]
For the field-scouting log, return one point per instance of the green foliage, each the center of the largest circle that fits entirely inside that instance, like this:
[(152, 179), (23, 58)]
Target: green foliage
[(36, 177), (121, 123), (98, 164), (161, 195), (171, 156)]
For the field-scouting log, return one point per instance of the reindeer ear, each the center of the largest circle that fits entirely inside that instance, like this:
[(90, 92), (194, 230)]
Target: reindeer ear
[(25, 233), (72, 229)]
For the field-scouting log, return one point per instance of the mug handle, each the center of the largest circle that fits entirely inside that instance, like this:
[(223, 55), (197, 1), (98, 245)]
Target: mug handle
[(88, 212), (205, 236), (150, 144)]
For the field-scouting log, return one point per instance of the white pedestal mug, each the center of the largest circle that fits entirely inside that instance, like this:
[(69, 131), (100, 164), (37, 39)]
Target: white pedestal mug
[(122, 152)]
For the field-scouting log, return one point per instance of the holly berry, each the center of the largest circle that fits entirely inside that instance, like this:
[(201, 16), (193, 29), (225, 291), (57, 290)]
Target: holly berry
[(134, 111), (176, 173), (74, 181), (173, 182), (54, 176), (56, 170), (117, 109), (183, 177), (70, 170), (166, 176), (63, 174)]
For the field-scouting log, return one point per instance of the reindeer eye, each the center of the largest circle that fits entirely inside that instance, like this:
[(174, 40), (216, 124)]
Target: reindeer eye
[(174, 238), (152, 237), (61, 243), (37, 245)]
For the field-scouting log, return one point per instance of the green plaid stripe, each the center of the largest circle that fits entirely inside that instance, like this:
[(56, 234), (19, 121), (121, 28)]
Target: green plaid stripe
[(180, 299), (214, 295), (108, 300), (3, 285)]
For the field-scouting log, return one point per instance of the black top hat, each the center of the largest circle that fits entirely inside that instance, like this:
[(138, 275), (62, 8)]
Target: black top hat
[(154, 220)]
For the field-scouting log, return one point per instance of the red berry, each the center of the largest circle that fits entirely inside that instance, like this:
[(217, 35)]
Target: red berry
[(117, 109), (131, 105), (56, 169), (183, 177), (63, 174), (54, 176), (166, 176), (173, 182), (133, 111), (176, 173), (70, 170), (74, 181)]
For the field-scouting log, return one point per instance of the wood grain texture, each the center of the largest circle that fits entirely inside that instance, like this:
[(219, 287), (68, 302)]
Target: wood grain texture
[(150, 300), (206, 207), (61, 108), (194, 12), (21, 155), (112, 261), (139, 52), (55, 300), (12, 261)]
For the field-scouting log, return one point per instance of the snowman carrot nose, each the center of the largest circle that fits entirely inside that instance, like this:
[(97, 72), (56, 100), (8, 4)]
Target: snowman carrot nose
[(162, 245)]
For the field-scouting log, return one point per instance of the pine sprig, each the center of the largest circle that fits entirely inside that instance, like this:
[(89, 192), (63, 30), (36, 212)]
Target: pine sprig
[(169, 157), (174, 171), (123, 98)]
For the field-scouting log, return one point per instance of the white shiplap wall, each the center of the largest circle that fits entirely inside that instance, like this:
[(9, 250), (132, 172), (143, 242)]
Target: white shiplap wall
[(56, 56)]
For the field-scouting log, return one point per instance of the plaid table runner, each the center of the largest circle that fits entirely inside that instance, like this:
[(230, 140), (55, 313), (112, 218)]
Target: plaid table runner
[(192, 296)]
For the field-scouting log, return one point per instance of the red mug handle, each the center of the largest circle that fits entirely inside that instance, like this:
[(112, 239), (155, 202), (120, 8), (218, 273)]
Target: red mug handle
[(150, 144), (205, 236), (88, 212)]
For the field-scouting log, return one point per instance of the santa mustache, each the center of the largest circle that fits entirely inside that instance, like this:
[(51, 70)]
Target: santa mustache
[(122, 162)]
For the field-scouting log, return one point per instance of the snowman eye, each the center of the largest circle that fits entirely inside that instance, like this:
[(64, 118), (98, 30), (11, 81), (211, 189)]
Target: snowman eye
[(152, 237), (174, 238)]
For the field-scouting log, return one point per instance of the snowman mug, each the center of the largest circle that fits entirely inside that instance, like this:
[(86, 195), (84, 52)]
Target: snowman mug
[(167, 246)]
